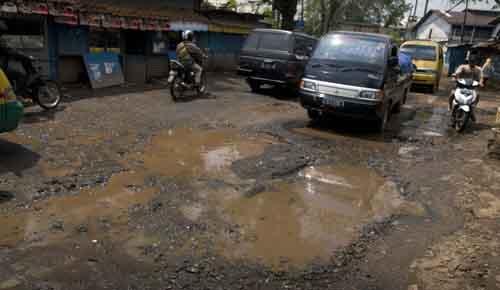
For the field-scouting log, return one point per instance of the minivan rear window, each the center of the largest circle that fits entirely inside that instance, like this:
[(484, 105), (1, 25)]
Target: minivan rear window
[(268, 41)]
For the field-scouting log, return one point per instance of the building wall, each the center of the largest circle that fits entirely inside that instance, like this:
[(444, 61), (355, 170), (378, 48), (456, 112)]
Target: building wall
[(224, 49), (438, 28)]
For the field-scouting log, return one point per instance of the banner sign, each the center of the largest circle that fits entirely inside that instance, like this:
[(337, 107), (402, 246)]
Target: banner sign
[(24, 8), (103, 69), (8, 7), (109, 21), (40, 8), (93, 20), (66, 20)]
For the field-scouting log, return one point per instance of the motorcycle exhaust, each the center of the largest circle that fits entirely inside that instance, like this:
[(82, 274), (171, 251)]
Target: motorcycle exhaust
[(172, 76)]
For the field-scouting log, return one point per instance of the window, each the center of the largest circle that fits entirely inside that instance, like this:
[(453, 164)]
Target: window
[(252, 41), (303, 46), (275, 41), (25, 34), (420, 52), (268, 41), (101, 40)]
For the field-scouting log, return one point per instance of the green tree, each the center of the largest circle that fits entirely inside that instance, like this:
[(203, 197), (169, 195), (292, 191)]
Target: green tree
[(231, 5), (324, 15), (287, 10)]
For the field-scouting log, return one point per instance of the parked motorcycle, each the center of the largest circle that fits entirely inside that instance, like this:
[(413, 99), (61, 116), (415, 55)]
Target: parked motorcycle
[(464, 103), (45, 93), (182, 80)]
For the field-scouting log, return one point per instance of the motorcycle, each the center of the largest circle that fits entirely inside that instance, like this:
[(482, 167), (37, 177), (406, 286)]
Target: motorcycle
[(46, 93), (182, 80), (463, 103)]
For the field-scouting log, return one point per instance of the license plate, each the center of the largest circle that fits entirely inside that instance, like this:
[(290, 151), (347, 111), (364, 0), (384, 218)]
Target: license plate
[(333, 102)]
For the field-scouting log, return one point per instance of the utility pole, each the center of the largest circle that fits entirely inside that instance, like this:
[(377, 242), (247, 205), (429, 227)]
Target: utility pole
[(302, 12), (415, 10), (426, 6), (465, 21)]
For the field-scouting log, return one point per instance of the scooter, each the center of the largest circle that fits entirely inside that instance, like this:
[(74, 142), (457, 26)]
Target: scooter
[(182, 80), (45, 93), (463, 104)]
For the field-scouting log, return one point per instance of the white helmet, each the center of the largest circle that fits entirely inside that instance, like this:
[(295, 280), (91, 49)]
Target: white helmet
[(188, 35)]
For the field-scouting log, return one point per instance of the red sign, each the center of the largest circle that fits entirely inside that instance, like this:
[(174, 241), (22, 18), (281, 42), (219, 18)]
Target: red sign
[(110, 21), (135, 23), (164, 25), (40, 8)]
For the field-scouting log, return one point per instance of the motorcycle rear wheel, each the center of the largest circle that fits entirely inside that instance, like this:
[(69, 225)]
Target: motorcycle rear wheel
[(176, 89), (48, 96)]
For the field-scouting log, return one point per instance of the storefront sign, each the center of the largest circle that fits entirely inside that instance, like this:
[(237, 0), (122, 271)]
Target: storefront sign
[(24, 8), (66, 20), (58, 9), (103, 69), (109, 21), (135, 23), (93, 20), (183, 26), (152, 24), (8, 7), (40, 8), (164, 25)]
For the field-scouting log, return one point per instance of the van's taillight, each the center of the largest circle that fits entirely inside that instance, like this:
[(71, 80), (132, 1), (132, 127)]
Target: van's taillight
[(291, 70)]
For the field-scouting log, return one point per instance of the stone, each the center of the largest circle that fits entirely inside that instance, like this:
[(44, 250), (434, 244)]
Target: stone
[(489, 207), (11, 283)]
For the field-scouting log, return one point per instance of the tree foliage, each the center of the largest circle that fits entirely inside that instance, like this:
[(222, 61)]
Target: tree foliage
[(325, 15)]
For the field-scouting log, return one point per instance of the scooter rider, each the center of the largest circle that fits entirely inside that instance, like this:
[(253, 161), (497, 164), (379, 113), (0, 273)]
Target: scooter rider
[(470, 70), (190, 55)]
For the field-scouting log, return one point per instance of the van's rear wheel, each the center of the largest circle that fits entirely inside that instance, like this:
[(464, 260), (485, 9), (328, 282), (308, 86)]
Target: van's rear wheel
[(254, 86), (314, 115)]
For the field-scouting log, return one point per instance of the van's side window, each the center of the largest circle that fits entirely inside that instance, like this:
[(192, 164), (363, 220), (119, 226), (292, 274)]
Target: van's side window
[(300, 48)]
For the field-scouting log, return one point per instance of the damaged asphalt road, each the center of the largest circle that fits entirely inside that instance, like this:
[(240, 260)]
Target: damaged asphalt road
[(133, 191)]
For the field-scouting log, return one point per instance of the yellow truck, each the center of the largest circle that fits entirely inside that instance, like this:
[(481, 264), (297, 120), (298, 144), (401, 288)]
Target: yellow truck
[(11, 110), (428, 58)]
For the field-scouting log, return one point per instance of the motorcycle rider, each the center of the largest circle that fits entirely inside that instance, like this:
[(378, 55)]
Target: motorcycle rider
[(470, 70), (15, 74), (190, 55)]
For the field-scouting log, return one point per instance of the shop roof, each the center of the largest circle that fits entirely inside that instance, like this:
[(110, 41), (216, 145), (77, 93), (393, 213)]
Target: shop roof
[(478, 18), (143, 8)]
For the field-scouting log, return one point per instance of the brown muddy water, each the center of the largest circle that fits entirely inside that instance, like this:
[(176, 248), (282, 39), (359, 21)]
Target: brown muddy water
[(296, 223), (291, 223)]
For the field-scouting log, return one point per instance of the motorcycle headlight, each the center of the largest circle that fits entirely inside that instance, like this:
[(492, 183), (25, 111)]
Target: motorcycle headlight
[(308, 85)]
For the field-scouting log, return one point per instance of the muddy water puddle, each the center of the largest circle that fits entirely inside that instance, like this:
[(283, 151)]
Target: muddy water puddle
[(294, 224), (187, 153), (59, 217)]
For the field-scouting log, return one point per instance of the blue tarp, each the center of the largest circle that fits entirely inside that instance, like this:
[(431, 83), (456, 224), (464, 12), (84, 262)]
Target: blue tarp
[(405, 63)]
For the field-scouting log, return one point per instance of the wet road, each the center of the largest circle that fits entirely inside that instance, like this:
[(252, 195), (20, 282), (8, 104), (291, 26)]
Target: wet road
[(132, 191)]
